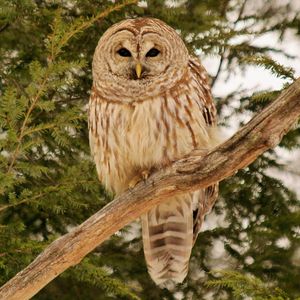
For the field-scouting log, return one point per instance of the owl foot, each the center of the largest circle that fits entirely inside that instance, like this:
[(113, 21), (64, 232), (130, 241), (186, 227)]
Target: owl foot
[(145, 174), (136, 179)]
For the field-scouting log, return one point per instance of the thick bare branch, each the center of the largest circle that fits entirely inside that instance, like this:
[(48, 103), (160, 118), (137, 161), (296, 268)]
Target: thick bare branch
[(198, 170)]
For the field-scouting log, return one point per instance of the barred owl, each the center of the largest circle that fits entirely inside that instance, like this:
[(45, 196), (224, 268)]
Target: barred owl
[(151, 104)]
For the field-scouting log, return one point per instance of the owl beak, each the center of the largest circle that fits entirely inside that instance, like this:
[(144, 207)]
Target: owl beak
[(138, 70)]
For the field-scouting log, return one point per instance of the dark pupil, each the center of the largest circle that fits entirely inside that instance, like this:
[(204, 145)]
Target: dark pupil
[(124, 52), (152, 52)]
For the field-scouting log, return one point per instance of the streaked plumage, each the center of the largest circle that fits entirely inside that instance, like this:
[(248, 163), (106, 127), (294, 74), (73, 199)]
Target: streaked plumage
[(138, 124)]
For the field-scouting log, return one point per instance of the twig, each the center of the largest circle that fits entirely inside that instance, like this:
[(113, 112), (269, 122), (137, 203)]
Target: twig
[(218, 71), (242, 9), (4, 26)]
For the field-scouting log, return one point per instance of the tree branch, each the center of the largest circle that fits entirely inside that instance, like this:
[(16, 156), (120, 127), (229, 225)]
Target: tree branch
[(4, 26), (195, 171), (219, 70)]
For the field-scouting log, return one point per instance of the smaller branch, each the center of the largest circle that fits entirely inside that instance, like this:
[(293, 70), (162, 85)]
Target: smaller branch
[(48, 126), (24, 124), (40, 195), (3, 27), (241, 12), (224, 5), (3, 207), (222, 60), (57, 46), (17, 85), (219, 70)]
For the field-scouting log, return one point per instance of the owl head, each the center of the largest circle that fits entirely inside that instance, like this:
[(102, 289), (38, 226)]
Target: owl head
[(139, 56)]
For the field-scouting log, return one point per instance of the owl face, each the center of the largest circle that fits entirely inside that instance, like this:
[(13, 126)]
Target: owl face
[(139, 57), (136, 55)]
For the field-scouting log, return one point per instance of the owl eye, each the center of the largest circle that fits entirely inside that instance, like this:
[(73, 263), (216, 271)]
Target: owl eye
[(152, 52), (124, 52)]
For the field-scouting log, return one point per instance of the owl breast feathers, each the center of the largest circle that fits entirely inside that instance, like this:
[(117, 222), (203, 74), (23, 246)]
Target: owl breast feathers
[(151, 104)]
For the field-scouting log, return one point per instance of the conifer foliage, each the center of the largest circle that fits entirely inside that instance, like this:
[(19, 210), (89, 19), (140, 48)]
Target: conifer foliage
[(48, 182)]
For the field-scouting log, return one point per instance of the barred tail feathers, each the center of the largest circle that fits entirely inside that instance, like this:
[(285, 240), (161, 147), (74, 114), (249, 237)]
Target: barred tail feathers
[(168, 239)]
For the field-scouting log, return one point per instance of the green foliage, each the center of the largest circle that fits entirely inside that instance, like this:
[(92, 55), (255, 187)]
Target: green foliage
[(268, 63), (48, 182), (89, 273), (247, 286)]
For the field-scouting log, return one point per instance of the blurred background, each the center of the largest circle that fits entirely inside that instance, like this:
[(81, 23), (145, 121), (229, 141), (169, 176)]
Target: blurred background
[(48, 183)]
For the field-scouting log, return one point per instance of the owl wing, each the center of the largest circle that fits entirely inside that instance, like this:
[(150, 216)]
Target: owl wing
[(204, 200), (204, 96)]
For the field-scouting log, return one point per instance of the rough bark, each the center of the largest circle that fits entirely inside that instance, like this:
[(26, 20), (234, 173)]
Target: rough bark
[(197, 170)]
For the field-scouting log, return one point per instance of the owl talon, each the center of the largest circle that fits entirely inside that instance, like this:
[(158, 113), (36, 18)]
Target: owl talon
[(145, 174), (136, 179)]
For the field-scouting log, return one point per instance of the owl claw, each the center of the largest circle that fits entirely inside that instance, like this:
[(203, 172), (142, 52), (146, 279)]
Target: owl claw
[(145, 174), (136, 179)]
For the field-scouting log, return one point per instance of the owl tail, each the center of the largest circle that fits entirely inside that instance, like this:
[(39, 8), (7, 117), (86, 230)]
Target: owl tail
[(168, 239)]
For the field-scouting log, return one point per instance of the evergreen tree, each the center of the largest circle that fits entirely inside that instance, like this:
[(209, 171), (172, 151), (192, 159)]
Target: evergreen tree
[(48, 182)]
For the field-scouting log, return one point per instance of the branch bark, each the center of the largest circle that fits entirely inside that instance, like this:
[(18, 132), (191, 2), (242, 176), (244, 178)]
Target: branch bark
[(195, 171)]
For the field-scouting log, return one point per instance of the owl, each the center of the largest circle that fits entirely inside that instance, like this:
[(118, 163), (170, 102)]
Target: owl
[(151, 104)]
